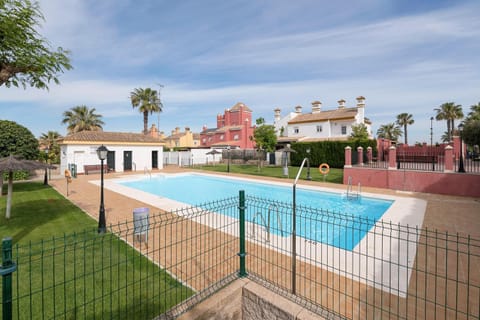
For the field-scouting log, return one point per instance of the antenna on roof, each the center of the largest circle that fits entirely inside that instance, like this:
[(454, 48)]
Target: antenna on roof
[(160, 86)]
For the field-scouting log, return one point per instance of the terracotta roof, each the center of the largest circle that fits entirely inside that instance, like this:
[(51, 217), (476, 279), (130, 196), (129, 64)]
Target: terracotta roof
[(337, 114), (238, 105), (109, 137), (287, 139)]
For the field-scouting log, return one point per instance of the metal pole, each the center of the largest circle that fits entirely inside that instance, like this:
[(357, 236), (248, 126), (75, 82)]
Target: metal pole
[(431, 131), (242, 253), (6, 270), (101, 217), (294, 241)]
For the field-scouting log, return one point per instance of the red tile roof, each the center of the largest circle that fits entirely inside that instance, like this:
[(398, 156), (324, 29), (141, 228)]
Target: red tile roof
[(110, 137)]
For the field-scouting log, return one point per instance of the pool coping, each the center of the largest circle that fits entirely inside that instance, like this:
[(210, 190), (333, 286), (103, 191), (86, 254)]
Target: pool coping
[(382, 264)]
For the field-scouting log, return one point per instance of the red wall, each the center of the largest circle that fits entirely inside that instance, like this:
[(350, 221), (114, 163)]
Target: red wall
[(460, 184)]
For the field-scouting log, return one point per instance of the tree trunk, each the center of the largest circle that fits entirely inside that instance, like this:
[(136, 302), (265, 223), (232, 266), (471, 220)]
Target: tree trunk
[(9, 195), (1, 184), (145, 122), (406, 139)]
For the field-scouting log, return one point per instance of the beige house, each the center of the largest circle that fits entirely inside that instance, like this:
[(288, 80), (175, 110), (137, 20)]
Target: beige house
[(180, 139), (319, 124)]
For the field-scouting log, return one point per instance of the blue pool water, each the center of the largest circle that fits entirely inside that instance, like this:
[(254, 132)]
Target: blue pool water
[(335, 230)]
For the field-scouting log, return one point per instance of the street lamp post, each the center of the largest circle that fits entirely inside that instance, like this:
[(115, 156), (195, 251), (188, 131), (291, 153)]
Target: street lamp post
[(461, 168), (45, 178), (228, 160), (309, 177), (431, 131), (102, 152)]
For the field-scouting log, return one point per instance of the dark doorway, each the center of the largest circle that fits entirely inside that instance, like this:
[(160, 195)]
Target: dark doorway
[(272, 158), (154, 159), (127, 160), (111, 160)]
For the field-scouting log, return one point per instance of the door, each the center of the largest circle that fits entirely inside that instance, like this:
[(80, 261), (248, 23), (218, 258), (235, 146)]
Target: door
[(111, 160), (127, 160), (154, 159)]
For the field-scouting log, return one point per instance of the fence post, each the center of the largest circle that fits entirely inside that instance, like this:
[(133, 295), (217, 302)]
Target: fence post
[(6, 270), (348, 157), (360, 156), (392, 158), (242, 273)]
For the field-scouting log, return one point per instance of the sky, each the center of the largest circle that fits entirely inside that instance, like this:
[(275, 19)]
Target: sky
[(205, 56)]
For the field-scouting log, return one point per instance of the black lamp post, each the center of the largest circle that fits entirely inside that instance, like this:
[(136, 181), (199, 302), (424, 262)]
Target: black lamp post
[(228, 160), (102, 152), (45, 178), (309, 177), (461, 168), (431, 131)]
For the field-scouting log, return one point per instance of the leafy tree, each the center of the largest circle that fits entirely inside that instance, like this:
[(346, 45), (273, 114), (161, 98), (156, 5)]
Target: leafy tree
[(389, 131), (26, 58), (50, 140), (405, 119), (17, 140), (81, 118), (471, 132), (359, 132), (449, 111), (260, 121), (265, 138), (147, 101)]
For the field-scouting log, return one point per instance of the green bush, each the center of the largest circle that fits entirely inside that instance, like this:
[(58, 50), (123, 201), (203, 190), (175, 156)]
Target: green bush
[(331, 152), (17, 175)]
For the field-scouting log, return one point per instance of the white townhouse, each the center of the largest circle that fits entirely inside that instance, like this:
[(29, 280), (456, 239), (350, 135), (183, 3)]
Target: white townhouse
[(321, 125), (126, 151)]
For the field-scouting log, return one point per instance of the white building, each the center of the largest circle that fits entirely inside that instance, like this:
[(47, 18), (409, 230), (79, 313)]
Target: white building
[(321, 125), (126, 151)]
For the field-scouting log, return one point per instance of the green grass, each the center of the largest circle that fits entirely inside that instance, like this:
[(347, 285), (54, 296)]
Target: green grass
[(334, 176), (67, 270)]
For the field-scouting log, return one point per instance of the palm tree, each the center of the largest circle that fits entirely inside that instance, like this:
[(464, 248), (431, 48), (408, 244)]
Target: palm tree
[(405, 119), (389, 131), (474, 114), (81, 118), (147, 100), (449, 111), (49, 141)]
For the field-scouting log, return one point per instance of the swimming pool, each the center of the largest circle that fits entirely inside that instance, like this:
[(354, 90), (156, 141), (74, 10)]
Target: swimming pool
[(335, 230)]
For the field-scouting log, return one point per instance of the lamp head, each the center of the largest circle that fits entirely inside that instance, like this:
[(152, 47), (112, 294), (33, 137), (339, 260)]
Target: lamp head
[(102, 152)]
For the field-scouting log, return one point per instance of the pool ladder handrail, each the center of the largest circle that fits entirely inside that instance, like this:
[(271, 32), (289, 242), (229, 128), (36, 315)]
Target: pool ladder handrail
[(294, 227), (350, 194), (267, 224), (146, 170)]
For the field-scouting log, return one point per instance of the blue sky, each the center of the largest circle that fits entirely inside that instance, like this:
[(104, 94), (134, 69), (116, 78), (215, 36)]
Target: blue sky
[(403, 56)]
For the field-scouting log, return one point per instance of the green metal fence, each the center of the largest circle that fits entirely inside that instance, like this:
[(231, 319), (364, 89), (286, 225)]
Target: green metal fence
[(394, 271)]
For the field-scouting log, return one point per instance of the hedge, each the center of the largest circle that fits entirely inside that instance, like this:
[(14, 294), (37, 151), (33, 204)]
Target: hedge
[(330, 152)]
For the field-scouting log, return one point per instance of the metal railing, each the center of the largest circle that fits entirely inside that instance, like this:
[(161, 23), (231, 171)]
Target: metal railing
[(341, 265)]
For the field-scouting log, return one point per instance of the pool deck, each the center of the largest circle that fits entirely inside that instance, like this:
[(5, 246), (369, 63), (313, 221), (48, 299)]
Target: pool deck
[(443, 213)]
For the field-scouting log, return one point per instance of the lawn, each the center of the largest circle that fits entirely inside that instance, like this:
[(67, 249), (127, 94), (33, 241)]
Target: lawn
[(334, 176), (67, 270)]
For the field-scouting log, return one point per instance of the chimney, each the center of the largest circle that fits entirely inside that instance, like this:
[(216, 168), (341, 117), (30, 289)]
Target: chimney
[(187, 129), (316, 106), (298, 109), (154, 131), (204, 127), (173, 132), (277, 115), (162, 135), (341, 104), (361, 102), (177, 130)]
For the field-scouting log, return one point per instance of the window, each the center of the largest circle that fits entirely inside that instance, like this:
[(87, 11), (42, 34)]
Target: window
[(344, 129), (296, 130), (319, 128), (209, 139), (221, 137), (235, 137), (204, 140)]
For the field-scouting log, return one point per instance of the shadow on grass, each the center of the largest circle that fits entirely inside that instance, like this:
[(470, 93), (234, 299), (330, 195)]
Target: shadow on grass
[(38, 211)]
